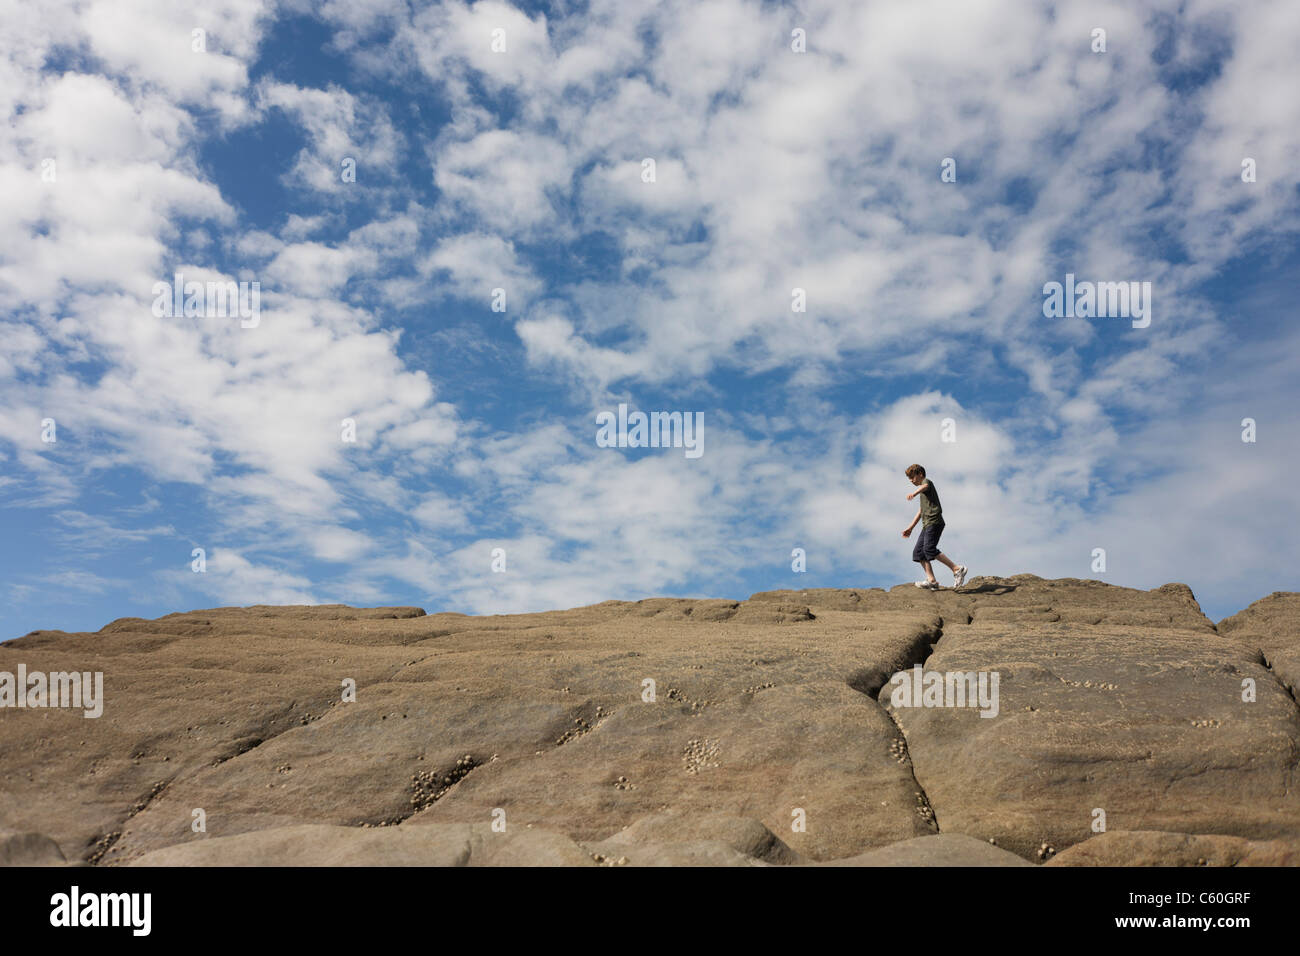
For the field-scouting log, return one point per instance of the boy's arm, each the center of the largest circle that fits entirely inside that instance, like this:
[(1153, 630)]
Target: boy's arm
[(924, 486), (914, 521)]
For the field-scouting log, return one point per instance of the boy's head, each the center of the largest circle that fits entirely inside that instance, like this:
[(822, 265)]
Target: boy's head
[(916, 474)]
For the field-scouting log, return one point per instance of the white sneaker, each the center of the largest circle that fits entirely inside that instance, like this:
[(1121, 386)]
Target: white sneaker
[(959, 575), (928, 585)]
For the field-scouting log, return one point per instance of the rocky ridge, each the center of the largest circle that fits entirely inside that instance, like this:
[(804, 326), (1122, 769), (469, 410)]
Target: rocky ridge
[(1129, 729)]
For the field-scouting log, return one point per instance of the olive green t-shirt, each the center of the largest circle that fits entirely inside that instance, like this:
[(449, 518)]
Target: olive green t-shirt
[(931, 510)]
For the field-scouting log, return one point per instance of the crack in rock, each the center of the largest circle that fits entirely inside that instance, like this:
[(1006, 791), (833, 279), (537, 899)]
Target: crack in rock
[(582, 726), (429, 786), (869, 680), (106, 841)]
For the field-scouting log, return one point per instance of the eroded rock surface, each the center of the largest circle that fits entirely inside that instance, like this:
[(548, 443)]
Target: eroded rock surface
[(663, 732), (29, 849), (1153, 848), (1113, 702), (1273, 625)]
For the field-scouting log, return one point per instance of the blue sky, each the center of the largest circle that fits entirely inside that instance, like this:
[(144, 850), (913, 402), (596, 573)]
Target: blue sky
[(521, 169)]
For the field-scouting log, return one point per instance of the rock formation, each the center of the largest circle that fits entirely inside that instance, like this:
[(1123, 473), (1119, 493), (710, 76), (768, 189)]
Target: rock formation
[(1129, 729)]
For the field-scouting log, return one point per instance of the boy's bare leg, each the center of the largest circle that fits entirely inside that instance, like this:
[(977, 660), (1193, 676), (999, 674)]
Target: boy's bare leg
[(944, 559), (929, 572)]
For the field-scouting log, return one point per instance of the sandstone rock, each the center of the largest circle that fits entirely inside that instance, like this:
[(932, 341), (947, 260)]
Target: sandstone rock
[(743, 835), (316, 845), (1103, 710), (697, 853), (764, 612), (1151, 848), (1273, 625), (664, 731), (941, 849), (29, 849)]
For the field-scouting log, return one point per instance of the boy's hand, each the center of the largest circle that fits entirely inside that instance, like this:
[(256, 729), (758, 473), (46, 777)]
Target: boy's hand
[(907, 532), (911, 495)]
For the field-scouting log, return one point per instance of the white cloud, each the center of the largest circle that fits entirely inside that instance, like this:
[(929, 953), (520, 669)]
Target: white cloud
[(775, 170), (477, 263), (502, 178), (339, 127), (231, 579)]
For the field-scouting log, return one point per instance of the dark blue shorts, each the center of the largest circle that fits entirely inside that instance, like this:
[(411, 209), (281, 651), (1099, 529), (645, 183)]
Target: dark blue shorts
[(927, 542)]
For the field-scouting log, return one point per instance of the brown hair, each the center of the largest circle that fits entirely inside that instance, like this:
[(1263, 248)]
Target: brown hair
[(914, 470)]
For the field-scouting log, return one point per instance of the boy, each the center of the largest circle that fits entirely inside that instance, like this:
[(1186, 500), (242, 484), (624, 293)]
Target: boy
[(930, 515)]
